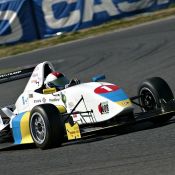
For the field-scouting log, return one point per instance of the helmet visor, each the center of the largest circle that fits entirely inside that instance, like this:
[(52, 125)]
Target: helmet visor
[(60, 82)]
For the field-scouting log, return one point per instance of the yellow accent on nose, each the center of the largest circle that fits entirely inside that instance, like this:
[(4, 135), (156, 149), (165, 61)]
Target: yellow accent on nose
[(25, 130), (125, 103)]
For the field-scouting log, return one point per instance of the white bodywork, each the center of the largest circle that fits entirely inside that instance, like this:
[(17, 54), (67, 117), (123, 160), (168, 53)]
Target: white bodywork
[(69, 97)]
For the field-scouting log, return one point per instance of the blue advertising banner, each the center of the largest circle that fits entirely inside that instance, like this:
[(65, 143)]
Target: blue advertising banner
[(58, 16), (26, 20), (16, 23)]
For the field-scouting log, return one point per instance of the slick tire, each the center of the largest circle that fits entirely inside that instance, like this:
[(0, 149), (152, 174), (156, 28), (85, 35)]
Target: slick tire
[(152, 91), (46, 126)]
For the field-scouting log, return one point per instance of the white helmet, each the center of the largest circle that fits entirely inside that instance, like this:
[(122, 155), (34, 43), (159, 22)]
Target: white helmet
[(56, 80)]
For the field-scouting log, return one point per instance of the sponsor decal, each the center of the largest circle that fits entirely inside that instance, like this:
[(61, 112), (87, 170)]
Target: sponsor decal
[(35, 81), (54, 100), (106, 89), (30, 95), (103, 108), (44, 100), (24, 100), (37, 101), (10, 74)]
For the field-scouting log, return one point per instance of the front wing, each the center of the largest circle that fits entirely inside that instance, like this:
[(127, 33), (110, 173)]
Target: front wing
[(166, 110)]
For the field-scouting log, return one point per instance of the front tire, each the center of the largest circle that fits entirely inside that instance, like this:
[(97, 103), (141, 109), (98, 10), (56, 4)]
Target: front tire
[(46, 126), (151, 92)]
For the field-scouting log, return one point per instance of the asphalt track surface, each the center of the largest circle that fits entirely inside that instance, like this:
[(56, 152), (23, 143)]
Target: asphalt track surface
[(126, 58)]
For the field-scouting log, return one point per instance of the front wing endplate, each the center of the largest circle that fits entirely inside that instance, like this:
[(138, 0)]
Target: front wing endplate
[(73, 132)]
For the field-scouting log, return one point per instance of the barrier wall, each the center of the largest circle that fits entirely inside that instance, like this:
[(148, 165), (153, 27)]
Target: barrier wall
[(16, 21), (71, 15), (26, 20)]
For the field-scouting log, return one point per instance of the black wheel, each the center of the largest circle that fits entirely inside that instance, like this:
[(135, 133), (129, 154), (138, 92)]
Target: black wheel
[(46, 126), (151, 92)]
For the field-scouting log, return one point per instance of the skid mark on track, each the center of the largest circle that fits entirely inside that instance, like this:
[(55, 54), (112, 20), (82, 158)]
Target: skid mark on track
[(152, 51), (92, 62)]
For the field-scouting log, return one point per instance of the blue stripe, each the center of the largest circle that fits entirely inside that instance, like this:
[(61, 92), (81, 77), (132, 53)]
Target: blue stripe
[(115, 96), (16, 128)]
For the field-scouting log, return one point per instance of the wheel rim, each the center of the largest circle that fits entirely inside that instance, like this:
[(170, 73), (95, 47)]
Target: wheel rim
[(147, 100), (38, 128)]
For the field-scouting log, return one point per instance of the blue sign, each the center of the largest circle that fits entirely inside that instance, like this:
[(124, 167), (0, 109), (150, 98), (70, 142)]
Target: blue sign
[(16, 22), (26, 20), (58, 16)]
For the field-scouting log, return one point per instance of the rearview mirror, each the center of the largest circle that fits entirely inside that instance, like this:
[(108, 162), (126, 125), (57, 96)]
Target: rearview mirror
[(98, 78)]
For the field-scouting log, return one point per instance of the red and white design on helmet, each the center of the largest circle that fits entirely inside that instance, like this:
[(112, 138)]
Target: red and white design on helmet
[(52, 77)]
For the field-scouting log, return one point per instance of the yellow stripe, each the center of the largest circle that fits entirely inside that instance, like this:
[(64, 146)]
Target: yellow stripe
[(61, 109), (25, 130), (49, 91), (124, 103)]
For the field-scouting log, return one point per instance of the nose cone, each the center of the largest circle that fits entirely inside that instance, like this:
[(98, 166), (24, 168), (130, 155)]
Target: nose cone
[(113, 93), (116, 95)]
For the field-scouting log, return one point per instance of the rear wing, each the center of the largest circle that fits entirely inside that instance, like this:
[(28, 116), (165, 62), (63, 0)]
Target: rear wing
[(16, 75)]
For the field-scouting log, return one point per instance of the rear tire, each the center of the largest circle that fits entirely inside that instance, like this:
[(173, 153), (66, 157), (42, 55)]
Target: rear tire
[(46, 126), (152, 91)]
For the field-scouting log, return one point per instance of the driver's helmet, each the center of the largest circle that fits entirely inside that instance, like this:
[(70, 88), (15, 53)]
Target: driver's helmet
[(56, 80)]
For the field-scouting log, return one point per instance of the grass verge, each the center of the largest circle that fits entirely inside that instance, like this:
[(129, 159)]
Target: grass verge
[(109, 26)]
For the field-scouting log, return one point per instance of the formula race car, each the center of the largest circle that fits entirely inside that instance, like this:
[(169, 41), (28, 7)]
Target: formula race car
[(48, 117)]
